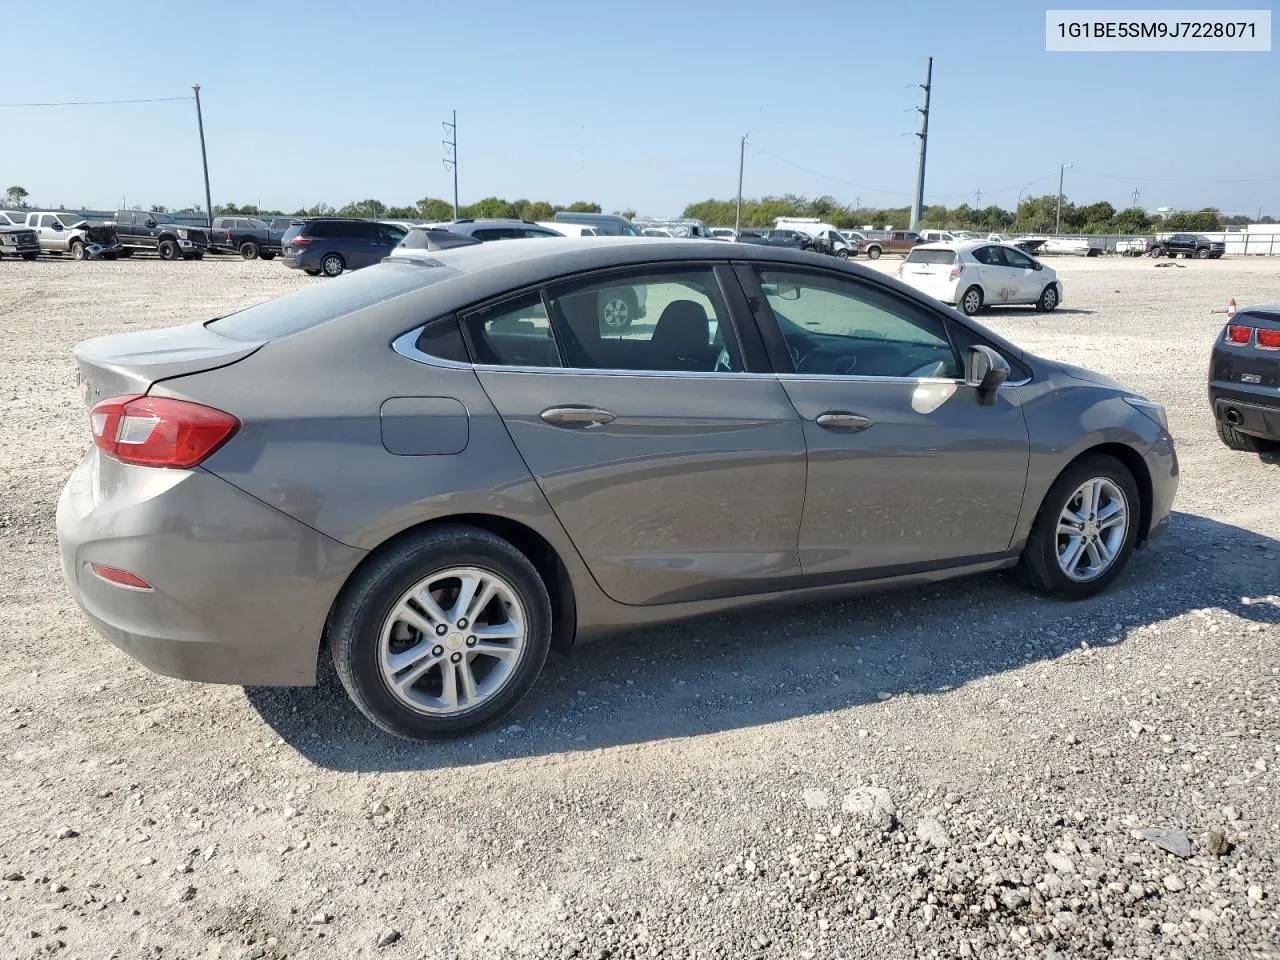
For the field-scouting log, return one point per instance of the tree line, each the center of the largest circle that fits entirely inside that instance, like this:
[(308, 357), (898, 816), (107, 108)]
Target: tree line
[(1032, 215), (428, 208)]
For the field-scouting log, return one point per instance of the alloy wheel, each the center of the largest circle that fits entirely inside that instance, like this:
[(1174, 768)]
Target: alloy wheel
[(1092, 529), (452, 641), (616, 313)]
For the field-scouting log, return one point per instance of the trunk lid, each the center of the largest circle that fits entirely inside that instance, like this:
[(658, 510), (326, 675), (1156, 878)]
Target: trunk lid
[(130, 363)]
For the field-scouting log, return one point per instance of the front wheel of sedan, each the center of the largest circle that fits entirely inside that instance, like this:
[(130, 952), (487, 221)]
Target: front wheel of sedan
[(442, 634), (1085, 531), (1048, 299)]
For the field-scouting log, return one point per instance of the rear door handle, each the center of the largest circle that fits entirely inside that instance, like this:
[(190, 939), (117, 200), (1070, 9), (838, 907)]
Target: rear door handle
[(839, 420), (576, 416)]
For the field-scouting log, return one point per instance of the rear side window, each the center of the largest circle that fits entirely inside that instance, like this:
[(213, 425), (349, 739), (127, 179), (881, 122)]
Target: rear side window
[(328, 301), (931, 256), (514, 333), (496, 233)]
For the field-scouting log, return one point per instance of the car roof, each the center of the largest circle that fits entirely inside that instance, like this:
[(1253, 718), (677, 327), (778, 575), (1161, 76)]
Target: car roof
[(963, 246)]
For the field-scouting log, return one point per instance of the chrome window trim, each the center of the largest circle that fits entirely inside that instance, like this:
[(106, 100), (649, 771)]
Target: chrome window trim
[(406, 346)]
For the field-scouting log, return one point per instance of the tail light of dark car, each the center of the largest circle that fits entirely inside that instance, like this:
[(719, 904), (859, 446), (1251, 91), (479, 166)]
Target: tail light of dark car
[(1261, 337), (159, 431), (299, 241)]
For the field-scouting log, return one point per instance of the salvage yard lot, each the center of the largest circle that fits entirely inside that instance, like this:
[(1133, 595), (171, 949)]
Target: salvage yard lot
[(695, 791)]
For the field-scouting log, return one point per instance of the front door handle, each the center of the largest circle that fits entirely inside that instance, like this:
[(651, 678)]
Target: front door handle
[(839, 420), (576, 416)]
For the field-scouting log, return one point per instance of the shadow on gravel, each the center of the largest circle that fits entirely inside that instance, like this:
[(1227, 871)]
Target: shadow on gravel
[(755, 668)]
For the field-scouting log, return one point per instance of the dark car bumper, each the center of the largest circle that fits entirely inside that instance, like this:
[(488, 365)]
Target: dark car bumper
[(1254, 411), (301, 259), (240, 591)]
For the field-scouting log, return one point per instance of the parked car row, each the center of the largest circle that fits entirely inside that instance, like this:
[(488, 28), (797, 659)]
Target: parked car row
[(132, 231)]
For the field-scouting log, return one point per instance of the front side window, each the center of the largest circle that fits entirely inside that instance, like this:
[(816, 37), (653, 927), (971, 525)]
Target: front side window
[(835, 327), (1019, 260), (46, 220), (684, 328)]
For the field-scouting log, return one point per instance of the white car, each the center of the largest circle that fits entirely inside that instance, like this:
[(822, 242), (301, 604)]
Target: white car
[(724, 233), (978, 274)]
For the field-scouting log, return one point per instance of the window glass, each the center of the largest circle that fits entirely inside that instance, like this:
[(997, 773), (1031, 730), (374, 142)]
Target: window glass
[(443, 339), (323, 302), (1020, 260), (932, 256), (833, 326), (495, 233), (46, 220), (514, 333), (672, 320), (531, 232), (321, 230)]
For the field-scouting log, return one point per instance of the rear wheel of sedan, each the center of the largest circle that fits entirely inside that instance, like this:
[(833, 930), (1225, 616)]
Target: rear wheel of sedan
[(1048, 299), (971, 301), (249, 250), (442, 634), (332, 264), (616, 312), (168, 250), (1245, 442), (1085, 531)]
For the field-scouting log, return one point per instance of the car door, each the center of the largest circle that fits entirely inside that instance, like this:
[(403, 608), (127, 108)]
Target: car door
[(43, 225), (908, 470), (676, 466), (1024, 275)]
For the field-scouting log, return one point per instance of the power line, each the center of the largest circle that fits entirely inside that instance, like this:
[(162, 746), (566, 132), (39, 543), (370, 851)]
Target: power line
[(97, 103), (1145, 178)]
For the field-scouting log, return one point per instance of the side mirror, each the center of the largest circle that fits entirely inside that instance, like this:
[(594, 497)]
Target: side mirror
[(1037, 265), (150, 224), (57, 225), (985, 370)]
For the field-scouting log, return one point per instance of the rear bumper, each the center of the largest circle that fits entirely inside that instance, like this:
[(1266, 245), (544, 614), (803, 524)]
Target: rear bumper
[(240, 591), (1255, 413)]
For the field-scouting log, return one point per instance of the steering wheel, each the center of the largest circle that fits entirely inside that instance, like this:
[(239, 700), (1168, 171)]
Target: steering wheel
[(724, 363)]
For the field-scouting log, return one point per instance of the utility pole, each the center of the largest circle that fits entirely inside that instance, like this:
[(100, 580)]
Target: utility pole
[(978, 199), (1134, 196), (917, 207), (1057, 228), (742, 152), (857, 202), (204, 156), (451, 157)]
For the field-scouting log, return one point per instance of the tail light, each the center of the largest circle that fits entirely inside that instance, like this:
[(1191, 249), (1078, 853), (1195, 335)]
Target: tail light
[(1239, 334), (121, 578), (1268, 339), (159, 431), (300, 242), (956, 271)]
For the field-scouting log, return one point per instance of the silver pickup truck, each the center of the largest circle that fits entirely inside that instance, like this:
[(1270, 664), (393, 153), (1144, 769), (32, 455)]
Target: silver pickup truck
[(62, 232)]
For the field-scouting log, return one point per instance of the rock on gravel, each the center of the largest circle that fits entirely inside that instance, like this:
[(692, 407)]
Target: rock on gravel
[(1170, 840)]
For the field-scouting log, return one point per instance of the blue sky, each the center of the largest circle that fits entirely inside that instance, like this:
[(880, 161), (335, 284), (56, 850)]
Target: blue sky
[(632, 105)]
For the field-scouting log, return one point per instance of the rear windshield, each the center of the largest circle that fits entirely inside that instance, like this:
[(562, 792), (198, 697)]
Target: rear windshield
[(931, 256), (328, 300)]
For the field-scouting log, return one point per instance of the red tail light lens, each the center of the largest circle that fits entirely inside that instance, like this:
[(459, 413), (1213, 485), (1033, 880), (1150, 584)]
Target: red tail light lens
[(121, 578), (159, 431), (1268, 339), (956, 271), (300, 242), (1239, 334)]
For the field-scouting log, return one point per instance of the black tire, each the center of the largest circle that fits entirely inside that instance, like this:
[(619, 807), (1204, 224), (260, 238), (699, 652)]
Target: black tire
[(332, 265), (369, 599), (77, 250), (1157, 251), (1048, 299), (971, 301), (1244, 442), (1039, 563), (873, 253), (168, 250), (29, 256), (267, 255), (311, 271), (842, 254), (1202, 253), (249, 250), (126, 254)]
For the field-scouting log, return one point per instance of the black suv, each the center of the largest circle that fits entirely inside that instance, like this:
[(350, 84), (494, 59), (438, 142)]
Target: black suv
[(159, 232), (330, 245), (1189, 245)]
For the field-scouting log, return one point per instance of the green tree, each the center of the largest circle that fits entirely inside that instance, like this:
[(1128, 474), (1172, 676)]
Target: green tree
[(16, 196), (1207, 219), (368, 209), (158, 208), (629, 214), (581, 206), (432, 208)]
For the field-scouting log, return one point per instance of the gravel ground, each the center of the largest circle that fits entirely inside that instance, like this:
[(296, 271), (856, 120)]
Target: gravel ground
[(960, 771)]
